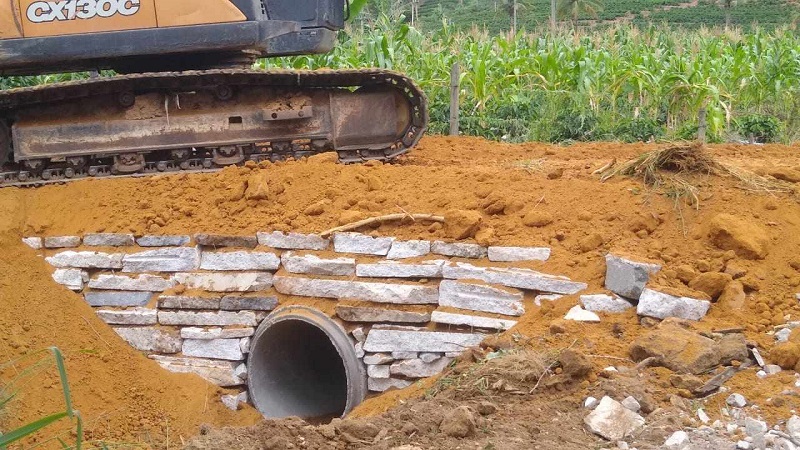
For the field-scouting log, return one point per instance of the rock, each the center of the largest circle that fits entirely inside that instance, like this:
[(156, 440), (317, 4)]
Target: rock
[(687, 382), (381, 371), (590, 403), (733, 296), (123, 298), (293, 241), (783, 335), (408, 249), (143, 282), (574, 364), (486, 408), (239, 261), (627, 278), (86, 260), (772, 369), (685, 273), (605, 303), (136, 316), (241, 372), (378, 359), (579, 314), (736, 400), (314, 265), (460, 224), (163, 241), (590, 242), (546, 297), (743, 445), (174, 259), (358, 429), (217, 240), (732, 347), (362, 244), (62, 242), (785, 174), (785, 355), (430, 357), (748, 240), (679, 440), (220, 373), (228, 349), (230, 401), (149, 339), (537, 219), (108, 240), (793, 426), (216, 333), (660, 305), (753, 427), (221, 318), (516, 278), (419, 341), (712, 283), (186, 302), (237, 303), (631, 403), (459, 250), (472, 321), (677, 349), (384, 384), (510, 254), (701, 414), (72, 279), (35, 243), (364, 314), (478, 297), (613, 421), (458, 423), (391, 269), (226, 282), (357, 290), (405, 355)]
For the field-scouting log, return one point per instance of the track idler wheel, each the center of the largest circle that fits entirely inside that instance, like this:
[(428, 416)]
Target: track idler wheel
[(225, 156), (35, 166), (128, 163)]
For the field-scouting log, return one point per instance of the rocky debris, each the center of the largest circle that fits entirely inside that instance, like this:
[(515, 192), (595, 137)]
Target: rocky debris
[(786, 355), (459, 250), (241, 260), (479, 297), (150, 339), (314, 265), (405, 355), (358, 290), (546, 297), (379, 340), (417, 368), (221, 373), (365, 314), (293, 241), (220, 318), (605, 303), (218, 240), (459, 423), (408, 249), (485, 408), (378, 371), (62, 242), (574, 364), (627, 278), (186, 302), (613, 421), (783, 335), (679, 440), (234, 402), (579, 314), (143, 282), (460, 224), (238, 303), (590, 403), (631, 403), (86, 260), (228, 349), (384, 384), (748, 240), (226, 282), (429, 357), (711, 283), (660, 305), (121, 298), (515, 278), (216, 333), (733, 296), (108, 240), (378, 359), (72, 279), (163, 241), (736, 400), (511, 254), (35, 243), (688, 382), (173, 259), (754, 427), (472, 321), (391, 269), (136, 316), (793, 427), (362, 244)]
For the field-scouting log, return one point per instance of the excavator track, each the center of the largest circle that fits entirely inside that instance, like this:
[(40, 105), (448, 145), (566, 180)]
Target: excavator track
[(348, 95)]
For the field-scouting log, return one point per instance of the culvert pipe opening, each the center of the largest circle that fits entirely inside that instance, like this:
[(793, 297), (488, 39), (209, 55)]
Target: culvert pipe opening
[(302, 363)]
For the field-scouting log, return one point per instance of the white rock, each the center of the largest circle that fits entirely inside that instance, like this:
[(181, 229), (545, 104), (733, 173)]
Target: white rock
[(33, 242), (660, 305), (366, 314), (679, 440), (513, 277), (384, 384), (240, 260), (627, 278), (743, 445), (62, 241), (605, 303), (226, 282), (622, 445), (381, 371), (136, 316), (613, 421), (121, 298), (579, 314), (359, 348), (108, 240), (163, 241), (378, 358), (701, 414), (228, 349), (590, 403), (419, 341), (187, 302), (357, 290), (736, 400), (143, 282), (546, 298), (314, 265), (216, 333), (362, 244), (793, 426), (471, 321), (771, 369), (359, 335), (241, 372), (149, 339), (218, 372), (292, 241), (429, 357), (72, 279), (459, 250), (408, 249), (230, 401), (753, 427), (783, 335), (417, 368), (221, 318), (86, 260), (391, 269), (631, 403), (405, 355), (510, 254), (478, 297), (761, 374), (175, 259), (244, 345)]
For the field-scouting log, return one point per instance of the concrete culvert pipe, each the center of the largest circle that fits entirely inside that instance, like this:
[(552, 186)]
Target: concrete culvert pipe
[(302, 363)]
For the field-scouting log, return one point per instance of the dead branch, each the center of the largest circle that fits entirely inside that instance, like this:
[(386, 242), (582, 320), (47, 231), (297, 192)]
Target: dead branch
[(382, 219)]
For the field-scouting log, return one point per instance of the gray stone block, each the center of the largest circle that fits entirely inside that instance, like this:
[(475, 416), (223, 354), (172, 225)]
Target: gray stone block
[(471, 321), (108, 240), (136, 316), (417, 368), (514, 277), (409, 249), (163, 241), (605, 303), (62, 242), (366, 314), (239, 261), (430, 357), (362, 244), (244, 345), (378, 358), (405, 355), (478, 297), (358, 290), (384, 384), (187, 302), (149, 339), (33, 242), (293, 241), (143, 282), (228, 349), (459, 250), (174, 259), (219, 240), (314, 265), (511, 254), (546, 298), (660, 305), (117, 298), (359, 335), (627, 278), (236, 303), (419, 341), (72, 279), (381, 371), (226, 282), (86, 260), (221, 373), (221, 318), (216, 333), (391, 269)]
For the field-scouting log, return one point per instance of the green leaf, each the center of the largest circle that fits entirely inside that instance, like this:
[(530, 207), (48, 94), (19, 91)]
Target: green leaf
[(30, 428)]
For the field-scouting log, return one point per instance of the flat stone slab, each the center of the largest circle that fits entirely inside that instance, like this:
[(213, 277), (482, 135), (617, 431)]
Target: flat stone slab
[(511, 254), (546, 298), (72, 279), (108, 240), (174, 259), (478, 297), (391, 269), (627, 278), (405, 355), (237, 303), (660, 305), (364, 314), (226, 282), (86, 260), (143, 282), (228, 349), (378, 371), (384, 384), (163, 241), (62, 242), (150, 339), (136, 316), (114, 298), (362, 244), (216, 333), (314, 265), (379, 340), (219, 240), (516, 278), (33, 242), (359, 290), (579, 314), (242, 260), (220, 318), (471, 321), (459, 250), (605, 303), (378, 358), (188, 302), (417, 368), (409, 249), (293, 241), (221, 373)]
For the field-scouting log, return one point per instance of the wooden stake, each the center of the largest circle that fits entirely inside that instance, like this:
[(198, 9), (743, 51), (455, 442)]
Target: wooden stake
[(455, 74), (383, 219)]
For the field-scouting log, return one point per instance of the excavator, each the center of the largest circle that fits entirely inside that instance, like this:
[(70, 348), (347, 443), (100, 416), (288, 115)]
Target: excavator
[(178, 91)]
